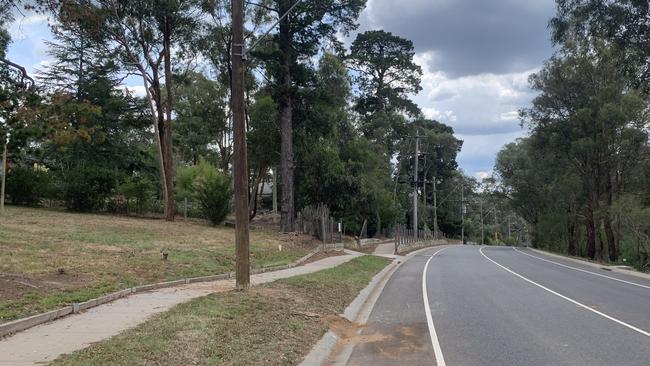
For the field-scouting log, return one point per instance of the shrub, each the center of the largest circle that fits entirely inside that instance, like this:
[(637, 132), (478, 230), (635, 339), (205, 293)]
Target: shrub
[(27, 186), (87, 188), (209, 187), (138, 192)]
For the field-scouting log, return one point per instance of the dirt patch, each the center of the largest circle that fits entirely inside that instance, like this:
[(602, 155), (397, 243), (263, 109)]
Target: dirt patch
[(301, 241), (350, 333), (394, 343), (322, 255), (369, 249), (14, 286)]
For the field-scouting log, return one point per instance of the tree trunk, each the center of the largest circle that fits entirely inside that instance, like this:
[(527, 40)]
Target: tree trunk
[(607, 221), (168, 156), (571, 231), (287, 210), (254, 192), (378, 234), (611, 239), (591, 231), (599, 241)]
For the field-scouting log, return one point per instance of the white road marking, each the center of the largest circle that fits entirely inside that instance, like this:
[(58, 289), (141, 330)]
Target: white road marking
[(568, 299), (440, 360), (582, 270)]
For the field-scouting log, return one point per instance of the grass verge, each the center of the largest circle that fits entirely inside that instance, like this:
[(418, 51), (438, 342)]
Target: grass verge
[(49, 258), (273, 324)]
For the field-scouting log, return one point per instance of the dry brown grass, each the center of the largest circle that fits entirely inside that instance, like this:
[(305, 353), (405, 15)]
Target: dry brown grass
[(273, 324), (50, 258)]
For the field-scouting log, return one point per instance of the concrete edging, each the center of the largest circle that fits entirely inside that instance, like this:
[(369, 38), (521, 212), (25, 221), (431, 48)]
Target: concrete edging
[(595, 265), (18, 325)]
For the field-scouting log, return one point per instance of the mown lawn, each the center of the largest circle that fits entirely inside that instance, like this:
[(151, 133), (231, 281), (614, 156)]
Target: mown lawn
[(273, 324), (52, 258)]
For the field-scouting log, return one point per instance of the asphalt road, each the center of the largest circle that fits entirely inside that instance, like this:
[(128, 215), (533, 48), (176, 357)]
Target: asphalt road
[(501, 306)]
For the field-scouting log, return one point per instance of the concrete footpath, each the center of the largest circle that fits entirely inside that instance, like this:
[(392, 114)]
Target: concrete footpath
[(44, 343), (385, 250)]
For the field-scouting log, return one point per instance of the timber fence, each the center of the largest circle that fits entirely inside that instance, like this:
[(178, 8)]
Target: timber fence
[(317, 221), (406, 239)]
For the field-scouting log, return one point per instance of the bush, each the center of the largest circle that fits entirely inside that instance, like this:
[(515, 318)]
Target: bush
[(209, 187), (138, 193), (27, 186), (87, 188)]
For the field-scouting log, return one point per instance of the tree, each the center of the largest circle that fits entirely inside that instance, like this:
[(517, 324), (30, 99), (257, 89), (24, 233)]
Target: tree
[(586, 111), (386, 73), (201, 119), (301, 33), (263, 142), (215, 44), (438, 149), (541, 186), (621, 23), (143, 34), (16, 93)]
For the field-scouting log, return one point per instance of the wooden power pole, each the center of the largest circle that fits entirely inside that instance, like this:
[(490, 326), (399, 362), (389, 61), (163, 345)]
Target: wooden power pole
[(4, 178), (435, 208), (416, 175), (462, 212), (240, 165)]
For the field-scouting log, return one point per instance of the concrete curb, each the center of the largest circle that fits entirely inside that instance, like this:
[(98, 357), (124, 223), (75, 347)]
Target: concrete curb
[(34, 320), (358, 311), (595, 265), (325, 351)]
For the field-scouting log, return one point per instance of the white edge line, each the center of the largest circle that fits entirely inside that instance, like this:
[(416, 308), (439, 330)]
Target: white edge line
[(568, 299), (582, 270), (437, 350)]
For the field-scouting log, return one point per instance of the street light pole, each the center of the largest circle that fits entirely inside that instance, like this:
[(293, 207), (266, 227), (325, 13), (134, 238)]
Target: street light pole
[(240, 164)]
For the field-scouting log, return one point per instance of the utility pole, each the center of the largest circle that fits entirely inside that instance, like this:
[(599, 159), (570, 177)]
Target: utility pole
[(435, 209), (275, 190), (4, 179), (240, 164), (462, 213), (482, 234), (415, 186)]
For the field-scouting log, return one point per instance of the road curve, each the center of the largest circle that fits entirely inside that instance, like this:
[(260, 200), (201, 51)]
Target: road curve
[(500, 306)]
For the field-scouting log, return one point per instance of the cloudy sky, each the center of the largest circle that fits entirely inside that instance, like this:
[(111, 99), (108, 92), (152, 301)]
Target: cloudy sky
[(476, 56)]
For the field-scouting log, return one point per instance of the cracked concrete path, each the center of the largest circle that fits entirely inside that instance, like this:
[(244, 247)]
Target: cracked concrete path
[(44, 343)]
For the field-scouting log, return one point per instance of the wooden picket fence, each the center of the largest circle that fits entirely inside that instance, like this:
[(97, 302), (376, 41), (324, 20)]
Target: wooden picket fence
[(317, 221), (406, 240)]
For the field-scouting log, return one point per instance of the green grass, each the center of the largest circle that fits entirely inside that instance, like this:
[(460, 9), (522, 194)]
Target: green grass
[(274, 324), (102, 253)]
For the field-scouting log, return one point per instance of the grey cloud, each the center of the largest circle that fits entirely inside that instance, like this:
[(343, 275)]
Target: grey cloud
[(470, 37)]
